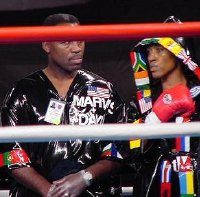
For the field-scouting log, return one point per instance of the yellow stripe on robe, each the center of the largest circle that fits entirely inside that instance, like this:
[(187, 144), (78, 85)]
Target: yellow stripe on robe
[(135, 143), (190, 180)]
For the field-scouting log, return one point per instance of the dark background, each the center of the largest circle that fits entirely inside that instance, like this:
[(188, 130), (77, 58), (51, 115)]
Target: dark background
[(108, 59)]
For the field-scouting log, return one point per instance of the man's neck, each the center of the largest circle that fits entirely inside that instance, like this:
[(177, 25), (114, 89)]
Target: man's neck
[(59, 74), (60, 80)]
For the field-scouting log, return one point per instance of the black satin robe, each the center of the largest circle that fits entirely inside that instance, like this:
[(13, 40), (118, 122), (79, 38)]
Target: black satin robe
[(90, 100)]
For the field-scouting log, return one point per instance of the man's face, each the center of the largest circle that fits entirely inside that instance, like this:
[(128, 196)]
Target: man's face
[(67, 55), (161, 61)]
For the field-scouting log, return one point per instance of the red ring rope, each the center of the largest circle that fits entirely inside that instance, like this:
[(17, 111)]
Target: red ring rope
[(97, 32)]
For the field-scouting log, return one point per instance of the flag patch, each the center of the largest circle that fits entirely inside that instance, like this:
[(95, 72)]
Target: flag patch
[(98, 92), (195, 91), (13, 157), (111, 151)]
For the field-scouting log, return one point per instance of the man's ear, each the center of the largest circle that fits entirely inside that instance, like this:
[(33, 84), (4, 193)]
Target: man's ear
[(46, 47)]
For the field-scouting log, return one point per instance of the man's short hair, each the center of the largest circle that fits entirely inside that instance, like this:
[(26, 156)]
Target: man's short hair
[(56, 19)]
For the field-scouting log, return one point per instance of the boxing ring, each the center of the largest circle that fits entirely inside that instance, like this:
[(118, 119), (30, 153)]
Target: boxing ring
[(90, 33), (97, 32), (94, 132)]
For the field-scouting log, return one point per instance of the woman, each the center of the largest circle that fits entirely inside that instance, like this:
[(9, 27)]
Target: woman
[(175, 94)]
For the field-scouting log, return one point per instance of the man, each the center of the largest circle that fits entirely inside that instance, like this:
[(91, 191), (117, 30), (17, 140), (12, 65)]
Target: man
[(62, 94), (164, 166)]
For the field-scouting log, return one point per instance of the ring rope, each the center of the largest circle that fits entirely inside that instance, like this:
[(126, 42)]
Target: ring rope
[(97, 32), (94, 132)]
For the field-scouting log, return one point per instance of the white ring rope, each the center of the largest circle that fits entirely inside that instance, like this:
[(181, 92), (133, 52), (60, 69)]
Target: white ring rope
[(104, 132), (94, 132)]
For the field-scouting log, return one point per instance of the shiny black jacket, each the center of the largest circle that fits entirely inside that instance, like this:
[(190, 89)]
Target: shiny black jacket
[(90, 100)]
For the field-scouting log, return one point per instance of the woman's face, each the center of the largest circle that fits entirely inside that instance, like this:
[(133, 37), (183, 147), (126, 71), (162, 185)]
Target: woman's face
[(161, 61)]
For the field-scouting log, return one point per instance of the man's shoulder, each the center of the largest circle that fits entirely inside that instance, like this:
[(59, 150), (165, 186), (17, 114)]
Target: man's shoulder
[(32, 78), (28, 82), (88, 75)]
